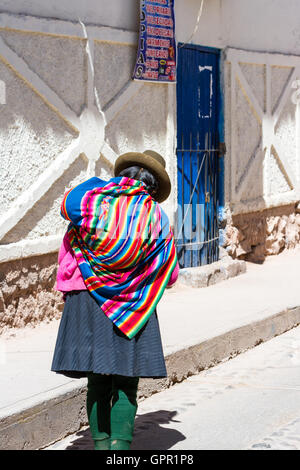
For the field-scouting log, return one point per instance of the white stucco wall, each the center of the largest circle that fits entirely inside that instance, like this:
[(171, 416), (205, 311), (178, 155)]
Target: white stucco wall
[(235, 23), (261, 130), (70, 109), (115, 13), (257, 25), (262, 25)]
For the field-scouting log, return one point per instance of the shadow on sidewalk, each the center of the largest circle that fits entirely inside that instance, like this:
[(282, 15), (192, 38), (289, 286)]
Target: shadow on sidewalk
[(148, 434)]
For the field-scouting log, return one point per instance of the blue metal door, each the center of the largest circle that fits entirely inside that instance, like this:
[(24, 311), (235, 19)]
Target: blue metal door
[(198, 102)]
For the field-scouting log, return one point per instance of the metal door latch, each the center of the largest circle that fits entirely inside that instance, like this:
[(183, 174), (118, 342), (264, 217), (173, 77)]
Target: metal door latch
[(222, 149)]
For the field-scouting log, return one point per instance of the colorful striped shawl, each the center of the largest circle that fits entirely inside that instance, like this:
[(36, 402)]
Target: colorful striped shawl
[(123, 245)]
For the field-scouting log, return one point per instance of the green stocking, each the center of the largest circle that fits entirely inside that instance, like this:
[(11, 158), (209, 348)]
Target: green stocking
[(99, 394), (124, 407)]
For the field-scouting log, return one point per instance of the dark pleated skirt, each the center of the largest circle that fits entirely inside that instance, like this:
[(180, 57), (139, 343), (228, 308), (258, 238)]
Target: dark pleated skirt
[(88, 341)]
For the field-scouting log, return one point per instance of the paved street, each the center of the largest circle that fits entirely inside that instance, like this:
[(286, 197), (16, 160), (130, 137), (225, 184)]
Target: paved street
[(249, 402)]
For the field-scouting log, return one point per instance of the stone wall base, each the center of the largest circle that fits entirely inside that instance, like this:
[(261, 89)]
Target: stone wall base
[(204, 276), (27, 295), (255, 235)]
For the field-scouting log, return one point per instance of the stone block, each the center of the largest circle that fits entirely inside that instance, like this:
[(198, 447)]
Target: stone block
[(253, 236), (204, 276)]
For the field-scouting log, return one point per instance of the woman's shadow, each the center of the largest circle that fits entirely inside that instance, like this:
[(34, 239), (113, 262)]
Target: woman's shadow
[(148, 434)]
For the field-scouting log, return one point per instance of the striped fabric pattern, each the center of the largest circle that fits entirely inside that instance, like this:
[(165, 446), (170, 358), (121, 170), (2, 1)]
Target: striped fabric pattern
[(124, 248)]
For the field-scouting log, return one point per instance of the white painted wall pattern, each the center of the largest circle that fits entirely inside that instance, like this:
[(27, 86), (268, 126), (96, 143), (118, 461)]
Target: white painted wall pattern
[(262, 130), (89, 126)]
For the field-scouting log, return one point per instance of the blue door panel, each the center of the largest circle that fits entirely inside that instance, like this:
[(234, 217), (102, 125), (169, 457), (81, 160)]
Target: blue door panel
[(197, 132)]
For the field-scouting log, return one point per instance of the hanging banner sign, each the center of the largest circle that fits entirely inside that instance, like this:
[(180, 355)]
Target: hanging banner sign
[(156, 57)]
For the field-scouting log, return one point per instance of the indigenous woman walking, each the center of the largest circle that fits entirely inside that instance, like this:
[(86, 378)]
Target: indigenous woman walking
[(117, 257)]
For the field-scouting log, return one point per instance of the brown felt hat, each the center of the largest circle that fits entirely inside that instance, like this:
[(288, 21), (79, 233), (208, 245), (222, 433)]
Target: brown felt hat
[(151, 161)]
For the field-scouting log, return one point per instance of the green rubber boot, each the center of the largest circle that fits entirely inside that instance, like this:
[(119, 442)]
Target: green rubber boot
[(98, 403), (123, 411), (119, 444), (102, 444)]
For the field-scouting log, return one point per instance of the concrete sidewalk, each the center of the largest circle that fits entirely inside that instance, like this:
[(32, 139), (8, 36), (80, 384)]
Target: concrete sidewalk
[(199, 327), (250, 402)]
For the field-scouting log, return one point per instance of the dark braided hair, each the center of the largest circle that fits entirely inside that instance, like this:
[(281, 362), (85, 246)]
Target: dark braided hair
[(144, 175)]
